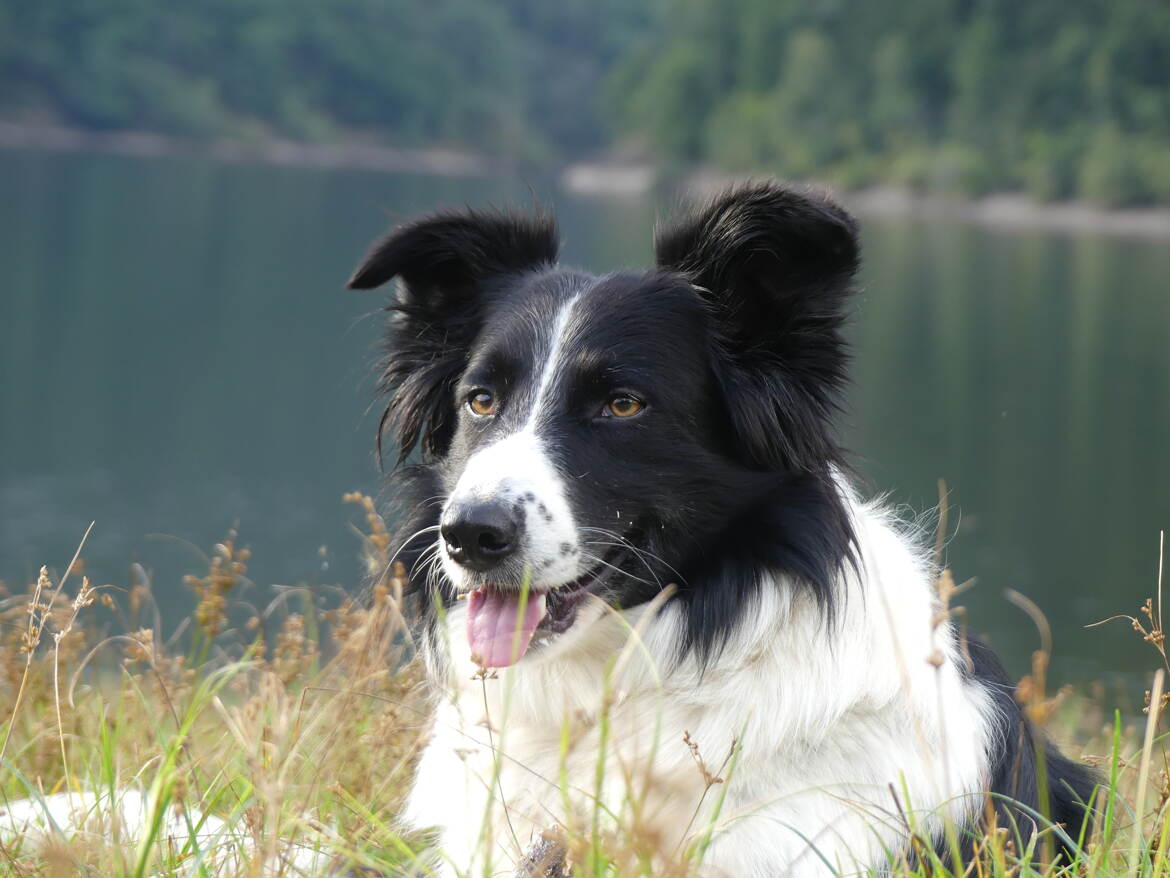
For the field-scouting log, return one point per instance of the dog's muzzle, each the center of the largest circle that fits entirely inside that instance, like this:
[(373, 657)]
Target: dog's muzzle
[(480, 536)]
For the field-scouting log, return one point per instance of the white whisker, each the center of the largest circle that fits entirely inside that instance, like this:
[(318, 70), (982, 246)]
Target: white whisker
[(637, 550), (425, 557), (389, 565), (406, 542), (634, 552), (617, 569)]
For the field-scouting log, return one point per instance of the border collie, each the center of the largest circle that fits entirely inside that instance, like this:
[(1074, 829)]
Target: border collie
[(643, 568)]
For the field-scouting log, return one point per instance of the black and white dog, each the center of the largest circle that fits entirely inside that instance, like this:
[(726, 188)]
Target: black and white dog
[(587, 442)]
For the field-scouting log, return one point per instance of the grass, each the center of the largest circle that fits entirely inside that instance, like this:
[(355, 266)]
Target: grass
[(282, 742)]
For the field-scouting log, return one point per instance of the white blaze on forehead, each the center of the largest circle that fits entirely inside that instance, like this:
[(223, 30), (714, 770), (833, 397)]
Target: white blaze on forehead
[(552, 361)]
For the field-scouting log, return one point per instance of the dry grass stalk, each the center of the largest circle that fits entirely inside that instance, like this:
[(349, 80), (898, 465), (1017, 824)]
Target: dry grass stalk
[(309, 741)]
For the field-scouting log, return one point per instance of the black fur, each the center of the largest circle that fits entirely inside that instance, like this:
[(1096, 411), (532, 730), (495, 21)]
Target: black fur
[(445, 261), (776, 267), (1014, 770)]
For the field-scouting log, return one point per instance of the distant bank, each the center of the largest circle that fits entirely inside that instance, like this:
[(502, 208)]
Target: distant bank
[(599, 179), (1002, 210), (357, 154)]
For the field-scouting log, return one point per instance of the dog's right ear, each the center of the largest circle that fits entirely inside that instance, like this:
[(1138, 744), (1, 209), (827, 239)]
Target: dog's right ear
[(450, 252), (445, 262)]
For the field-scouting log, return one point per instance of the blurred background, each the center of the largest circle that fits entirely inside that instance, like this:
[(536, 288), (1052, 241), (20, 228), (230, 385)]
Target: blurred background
[(185, 187)]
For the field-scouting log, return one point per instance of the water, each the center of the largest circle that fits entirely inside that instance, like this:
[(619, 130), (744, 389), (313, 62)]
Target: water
[(177, 355)]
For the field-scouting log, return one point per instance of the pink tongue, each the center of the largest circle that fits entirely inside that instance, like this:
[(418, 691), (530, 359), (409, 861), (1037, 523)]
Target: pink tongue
[(496, 632)]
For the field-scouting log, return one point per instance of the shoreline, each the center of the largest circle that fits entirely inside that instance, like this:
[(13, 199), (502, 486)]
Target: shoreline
[(1001, 210), (1012, 210), (358, 154), (600, 179)]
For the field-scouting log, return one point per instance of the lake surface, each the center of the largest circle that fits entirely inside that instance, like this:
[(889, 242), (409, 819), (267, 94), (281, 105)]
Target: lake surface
[(177, 354)]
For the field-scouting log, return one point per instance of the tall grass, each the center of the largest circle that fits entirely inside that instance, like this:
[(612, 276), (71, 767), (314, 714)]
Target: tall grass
[(282, 742)]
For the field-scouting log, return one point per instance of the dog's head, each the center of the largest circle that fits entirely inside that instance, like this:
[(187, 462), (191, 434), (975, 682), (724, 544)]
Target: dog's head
[(598, 437)]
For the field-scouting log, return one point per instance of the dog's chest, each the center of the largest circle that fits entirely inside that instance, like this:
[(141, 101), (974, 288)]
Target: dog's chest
[(626, 765), (671, 764)]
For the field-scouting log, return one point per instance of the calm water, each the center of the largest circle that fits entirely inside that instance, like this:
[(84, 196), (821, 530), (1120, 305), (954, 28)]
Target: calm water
[(177, 355)]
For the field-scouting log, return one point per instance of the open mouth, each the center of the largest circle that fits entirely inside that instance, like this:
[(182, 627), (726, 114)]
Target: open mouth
[(502, 624)]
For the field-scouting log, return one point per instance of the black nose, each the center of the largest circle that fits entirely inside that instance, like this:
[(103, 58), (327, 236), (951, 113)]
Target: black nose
[(480, 536)]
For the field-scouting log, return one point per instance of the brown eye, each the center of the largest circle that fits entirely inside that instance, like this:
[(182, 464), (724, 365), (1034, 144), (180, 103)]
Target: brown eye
[(622, 406), (481, 402)]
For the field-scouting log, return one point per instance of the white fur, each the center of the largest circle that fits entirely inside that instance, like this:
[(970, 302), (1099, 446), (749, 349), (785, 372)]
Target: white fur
[(215, 845), (831, 723)]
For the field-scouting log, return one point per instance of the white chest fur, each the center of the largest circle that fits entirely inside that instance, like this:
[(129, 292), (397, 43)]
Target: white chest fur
[(830, 724)]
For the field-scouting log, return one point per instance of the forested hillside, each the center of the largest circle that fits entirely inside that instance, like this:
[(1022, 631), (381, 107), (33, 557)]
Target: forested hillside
[(507, 76), (1061, 99), (1058, 97)]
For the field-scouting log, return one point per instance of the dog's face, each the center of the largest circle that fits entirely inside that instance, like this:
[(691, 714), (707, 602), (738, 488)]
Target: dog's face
[(585, 416), (588, 440)]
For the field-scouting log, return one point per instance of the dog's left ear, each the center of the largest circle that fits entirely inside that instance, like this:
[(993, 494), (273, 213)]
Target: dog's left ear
[(776, 268)]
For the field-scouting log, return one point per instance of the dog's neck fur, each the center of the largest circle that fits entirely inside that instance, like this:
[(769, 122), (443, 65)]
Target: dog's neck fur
[(830, 719)]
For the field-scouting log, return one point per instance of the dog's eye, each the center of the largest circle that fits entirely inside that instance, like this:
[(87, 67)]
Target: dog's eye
[(481, 402), (622, 406)]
